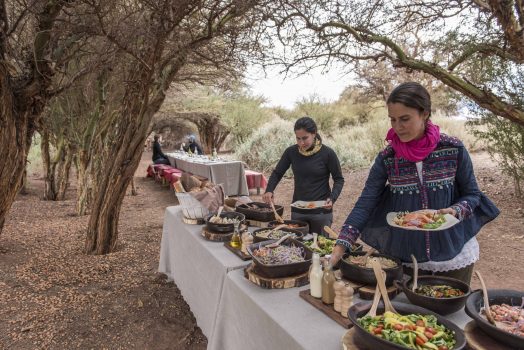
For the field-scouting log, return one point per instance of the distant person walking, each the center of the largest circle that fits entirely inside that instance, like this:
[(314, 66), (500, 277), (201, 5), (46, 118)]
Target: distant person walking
[(158, 156), (193, 146)]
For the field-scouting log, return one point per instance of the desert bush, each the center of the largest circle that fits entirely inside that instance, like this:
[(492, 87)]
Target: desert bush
[(505, 144), (263, 148)]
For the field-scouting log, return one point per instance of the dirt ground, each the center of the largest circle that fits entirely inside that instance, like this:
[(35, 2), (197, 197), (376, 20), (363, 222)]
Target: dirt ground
[(52, 296)]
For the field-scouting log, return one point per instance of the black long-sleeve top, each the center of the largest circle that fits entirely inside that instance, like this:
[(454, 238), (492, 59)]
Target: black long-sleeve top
[(157, 151), (311, 176)]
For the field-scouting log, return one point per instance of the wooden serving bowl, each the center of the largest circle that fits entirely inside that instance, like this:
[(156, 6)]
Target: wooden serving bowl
[(442, 306)]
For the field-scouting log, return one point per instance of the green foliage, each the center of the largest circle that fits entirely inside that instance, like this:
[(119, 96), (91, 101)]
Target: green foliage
[(263, 149), (238, 110), (505, 144)]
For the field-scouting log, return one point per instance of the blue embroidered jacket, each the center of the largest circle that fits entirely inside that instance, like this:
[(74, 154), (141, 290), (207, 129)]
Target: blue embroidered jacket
[(393, 185)]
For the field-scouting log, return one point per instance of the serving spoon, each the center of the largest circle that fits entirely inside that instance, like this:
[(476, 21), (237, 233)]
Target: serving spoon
[(489, 316), (315, 244), (415, 273), (332, 234), (382, 285), (277, 243), (219, 212), (277, 217)]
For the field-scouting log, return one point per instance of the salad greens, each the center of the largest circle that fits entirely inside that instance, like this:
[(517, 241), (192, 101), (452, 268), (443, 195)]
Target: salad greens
[(411, 331)]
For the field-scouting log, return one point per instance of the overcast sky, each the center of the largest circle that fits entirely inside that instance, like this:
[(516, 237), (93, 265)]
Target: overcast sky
[(279, 92)]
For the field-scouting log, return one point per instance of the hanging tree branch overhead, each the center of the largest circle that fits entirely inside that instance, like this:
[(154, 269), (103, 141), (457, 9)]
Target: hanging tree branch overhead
[(476, 48)]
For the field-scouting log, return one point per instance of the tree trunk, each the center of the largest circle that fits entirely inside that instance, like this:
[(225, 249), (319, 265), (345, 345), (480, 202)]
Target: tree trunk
[(64, 170), (119, 159), (15, 141), (133, 188), (82, 192)]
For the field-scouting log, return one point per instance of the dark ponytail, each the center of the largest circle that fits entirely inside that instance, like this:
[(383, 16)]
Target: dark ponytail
[(412, 95), (307, 124)]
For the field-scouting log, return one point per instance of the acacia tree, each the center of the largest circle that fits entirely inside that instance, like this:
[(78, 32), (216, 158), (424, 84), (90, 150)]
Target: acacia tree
[(163, 41), (33, 48), (454, 41)]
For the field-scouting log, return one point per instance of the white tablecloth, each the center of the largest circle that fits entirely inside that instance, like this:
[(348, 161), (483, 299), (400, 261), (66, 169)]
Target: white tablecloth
[(233, 312), (197, 266), (230, 174), (250, 317)]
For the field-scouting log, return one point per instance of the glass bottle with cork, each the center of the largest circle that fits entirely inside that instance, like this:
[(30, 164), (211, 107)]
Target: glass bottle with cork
[(328, 279), (235, 240)]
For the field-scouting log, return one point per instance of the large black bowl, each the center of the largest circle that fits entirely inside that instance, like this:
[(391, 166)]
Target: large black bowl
[(224, 228), (366, 275), (287, 270), (259, 211), (302, 225), (442, 306), (298, 235), (373, 342), (496, 297)]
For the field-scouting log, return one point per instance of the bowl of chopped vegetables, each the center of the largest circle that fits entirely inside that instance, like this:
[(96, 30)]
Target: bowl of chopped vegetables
[(443, 295), (506, 308), (412, 328), (264, 234), (225, 223), (290, 258), (356, 269)]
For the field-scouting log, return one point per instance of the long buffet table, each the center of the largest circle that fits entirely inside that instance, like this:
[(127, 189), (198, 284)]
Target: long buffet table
[(234, 313), (228, 173)]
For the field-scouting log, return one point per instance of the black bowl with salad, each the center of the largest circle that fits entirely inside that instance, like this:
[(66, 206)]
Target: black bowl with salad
[(443, 295), (265, 234), (412, 328)]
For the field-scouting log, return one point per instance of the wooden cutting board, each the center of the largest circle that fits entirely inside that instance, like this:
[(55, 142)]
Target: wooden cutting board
[(351, 342), (276, 283), (479, 340)]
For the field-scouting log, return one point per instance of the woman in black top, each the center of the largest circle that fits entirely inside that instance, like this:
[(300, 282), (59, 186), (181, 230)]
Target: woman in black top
[(312, 164), (158, 156)]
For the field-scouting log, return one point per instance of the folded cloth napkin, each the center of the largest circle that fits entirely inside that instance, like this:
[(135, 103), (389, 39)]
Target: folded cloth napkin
[(211, 197)]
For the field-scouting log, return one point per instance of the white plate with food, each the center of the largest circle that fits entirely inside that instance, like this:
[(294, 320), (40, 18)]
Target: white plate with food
[(421, 220), (308, 204)]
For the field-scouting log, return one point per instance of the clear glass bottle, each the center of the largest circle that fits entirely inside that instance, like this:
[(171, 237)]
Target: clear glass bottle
[(315, 277), (214, 154)]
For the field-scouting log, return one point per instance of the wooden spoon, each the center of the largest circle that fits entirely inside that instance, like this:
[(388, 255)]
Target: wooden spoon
[(277, 217), (219, 211), (332, 234), (415, 273), (373, 310), (315, 244), (277, 243), (382, 285), (489, 316)]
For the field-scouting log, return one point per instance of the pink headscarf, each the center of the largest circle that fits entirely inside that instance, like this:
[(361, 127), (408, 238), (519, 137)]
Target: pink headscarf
[(415, 150)]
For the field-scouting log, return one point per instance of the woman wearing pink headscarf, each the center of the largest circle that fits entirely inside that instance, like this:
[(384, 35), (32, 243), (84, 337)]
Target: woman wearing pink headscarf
[(421, 168)]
